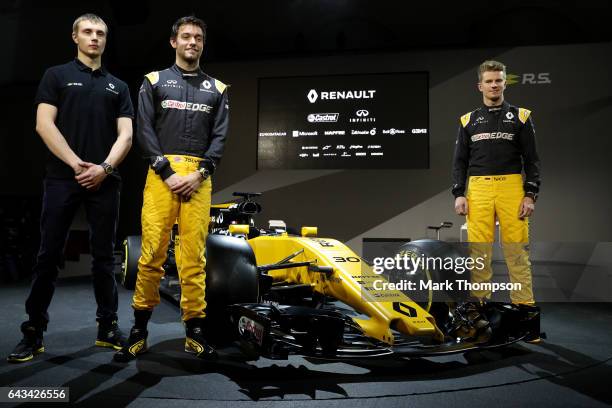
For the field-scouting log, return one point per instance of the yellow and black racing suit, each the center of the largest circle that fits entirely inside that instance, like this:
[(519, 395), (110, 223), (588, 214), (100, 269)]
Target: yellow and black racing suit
[(494, 145), (182, 124)]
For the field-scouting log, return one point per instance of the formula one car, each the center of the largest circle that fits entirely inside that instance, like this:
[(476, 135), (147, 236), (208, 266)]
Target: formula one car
[(279, 293)]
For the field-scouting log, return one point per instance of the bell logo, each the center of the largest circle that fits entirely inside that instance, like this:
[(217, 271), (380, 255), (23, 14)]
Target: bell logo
[(313, 96)]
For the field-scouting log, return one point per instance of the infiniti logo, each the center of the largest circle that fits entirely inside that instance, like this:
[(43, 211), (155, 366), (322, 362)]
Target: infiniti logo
[(171, 81), (362, 113)]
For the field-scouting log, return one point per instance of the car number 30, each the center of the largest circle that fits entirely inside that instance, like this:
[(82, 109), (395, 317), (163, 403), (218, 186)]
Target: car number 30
[(346, 259)]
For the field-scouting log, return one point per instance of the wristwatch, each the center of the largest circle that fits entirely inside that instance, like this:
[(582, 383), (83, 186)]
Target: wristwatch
[(204, 173), (108, 169)]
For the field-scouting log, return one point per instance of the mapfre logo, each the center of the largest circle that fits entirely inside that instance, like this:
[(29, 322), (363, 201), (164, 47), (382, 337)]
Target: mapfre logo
[(529, 78)]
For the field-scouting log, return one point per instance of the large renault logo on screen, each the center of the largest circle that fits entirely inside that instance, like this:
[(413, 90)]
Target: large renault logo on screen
[(313, 95)]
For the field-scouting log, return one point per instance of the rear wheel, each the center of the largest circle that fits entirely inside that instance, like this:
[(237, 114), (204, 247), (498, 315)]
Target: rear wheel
[(231, 272), (231, 278), (131, 254)]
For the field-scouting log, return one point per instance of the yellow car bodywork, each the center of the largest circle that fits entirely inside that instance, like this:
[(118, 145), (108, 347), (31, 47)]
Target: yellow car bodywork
[(351, 282)]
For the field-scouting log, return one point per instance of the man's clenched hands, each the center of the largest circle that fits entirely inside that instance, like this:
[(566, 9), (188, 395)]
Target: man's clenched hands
[(91, 176), (184, 186)]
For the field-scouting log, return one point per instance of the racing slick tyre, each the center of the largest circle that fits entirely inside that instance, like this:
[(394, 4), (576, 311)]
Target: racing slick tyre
[(434, 272), (131, 254), (231, 278), (231, 272)]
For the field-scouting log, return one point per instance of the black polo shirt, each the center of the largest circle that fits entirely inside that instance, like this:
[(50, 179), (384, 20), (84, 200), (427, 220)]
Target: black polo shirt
[(88, 105)]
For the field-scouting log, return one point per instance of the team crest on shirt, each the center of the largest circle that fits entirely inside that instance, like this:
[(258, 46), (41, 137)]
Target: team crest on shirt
[(509, 117), (205, 86), (111, 88)]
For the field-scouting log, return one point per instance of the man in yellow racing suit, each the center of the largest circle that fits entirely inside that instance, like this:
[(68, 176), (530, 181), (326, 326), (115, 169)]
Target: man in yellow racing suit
[(495, 144), (182, 124)]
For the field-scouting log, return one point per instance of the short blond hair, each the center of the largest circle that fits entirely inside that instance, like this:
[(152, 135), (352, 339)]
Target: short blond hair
[(491, 65), (88, 17)]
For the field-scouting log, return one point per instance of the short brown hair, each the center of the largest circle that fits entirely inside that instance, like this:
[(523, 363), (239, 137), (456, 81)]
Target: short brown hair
[(491, 65), (88, 17), (193, 20)]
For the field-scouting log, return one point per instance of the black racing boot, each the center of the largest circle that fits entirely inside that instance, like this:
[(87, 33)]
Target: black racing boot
[(534, 337), (195, 342), (137, 342), (109, 335), (29, 346)]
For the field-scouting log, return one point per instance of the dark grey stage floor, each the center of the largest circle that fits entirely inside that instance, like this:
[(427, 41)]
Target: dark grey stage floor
[(572, 368)]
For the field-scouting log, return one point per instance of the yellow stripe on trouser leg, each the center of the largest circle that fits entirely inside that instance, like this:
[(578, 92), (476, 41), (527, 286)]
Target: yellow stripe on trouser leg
[(481, 229), (514, 235), (193, 219), (159, 212)]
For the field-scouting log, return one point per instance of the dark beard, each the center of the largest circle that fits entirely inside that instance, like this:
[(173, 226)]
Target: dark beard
[(190, 59)]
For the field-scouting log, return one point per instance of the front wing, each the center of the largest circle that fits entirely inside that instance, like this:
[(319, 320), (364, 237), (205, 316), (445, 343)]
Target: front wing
[(277, 331)]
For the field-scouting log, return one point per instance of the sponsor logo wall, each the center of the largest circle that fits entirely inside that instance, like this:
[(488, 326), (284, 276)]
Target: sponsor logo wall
[(343, 116)]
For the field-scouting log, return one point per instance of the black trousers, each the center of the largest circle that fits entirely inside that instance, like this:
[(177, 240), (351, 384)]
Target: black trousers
[(61, 200)]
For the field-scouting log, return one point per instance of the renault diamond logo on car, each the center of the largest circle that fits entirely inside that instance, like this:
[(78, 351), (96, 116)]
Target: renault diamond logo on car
[(362, 113), (313, 96)]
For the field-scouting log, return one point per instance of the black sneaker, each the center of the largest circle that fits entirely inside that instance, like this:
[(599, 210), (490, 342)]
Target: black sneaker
[(195, 342), (109, 335), (29, 346), (136, 344)]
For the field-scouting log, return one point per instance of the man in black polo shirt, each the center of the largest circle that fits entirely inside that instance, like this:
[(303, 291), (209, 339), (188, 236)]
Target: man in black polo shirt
[(84, 116)]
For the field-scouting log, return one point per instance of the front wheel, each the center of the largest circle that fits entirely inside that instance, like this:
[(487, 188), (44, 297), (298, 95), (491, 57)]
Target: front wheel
[(131, 254), (429, 273)]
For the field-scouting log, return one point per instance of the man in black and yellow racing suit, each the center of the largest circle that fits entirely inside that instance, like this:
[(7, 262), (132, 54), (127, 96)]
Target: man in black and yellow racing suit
[(182, 124), (495, 144)]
